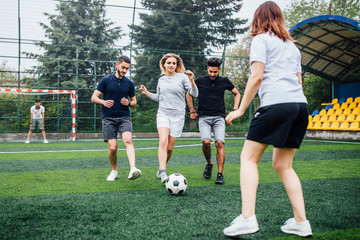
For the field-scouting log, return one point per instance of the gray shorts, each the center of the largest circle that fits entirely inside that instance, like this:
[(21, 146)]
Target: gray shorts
[(37, 122), (111, 126), (212, 123)]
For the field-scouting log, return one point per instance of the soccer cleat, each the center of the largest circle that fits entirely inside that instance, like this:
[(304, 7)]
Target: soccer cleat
[(241, 226), (207, 171), (158, 173), (46, 141), (113, 174), (163, 177), (219, 179), (302, 229), (134, 173), (27, 141)]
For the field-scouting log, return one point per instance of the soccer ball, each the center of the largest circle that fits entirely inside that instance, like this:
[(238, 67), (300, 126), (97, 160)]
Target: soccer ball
[(176, 184)]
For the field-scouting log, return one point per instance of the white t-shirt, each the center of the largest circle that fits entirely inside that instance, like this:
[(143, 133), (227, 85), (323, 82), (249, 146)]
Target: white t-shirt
[(37, 113), (282, 61)]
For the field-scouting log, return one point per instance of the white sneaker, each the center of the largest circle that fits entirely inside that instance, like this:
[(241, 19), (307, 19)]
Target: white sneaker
[(27, 141), (46, 141), (158, 173), (163, 177), (240, 226), (134, 173), (302, 229), (113, 174)]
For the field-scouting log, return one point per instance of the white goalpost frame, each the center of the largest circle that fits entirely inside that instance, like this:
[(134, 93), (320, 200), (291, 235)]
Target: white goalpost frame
[(59, 91)]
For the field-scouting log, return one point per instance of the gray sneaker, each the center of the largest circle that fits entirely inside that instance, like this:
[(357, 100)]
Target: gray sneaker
[(241, 226), (158, 174), (163, 177), (302, 229)]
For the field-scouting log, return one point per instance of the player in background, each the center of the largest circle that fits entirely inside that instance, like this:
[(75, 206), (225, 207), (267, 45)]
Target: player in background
[(170, 93), (37, 117), (280, 121), (211, 114), (116, 90)]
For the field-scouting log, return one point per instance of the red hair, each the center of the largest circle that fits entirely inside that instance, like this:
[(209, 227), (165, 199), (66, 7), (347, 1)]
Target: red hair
[(269, 18)]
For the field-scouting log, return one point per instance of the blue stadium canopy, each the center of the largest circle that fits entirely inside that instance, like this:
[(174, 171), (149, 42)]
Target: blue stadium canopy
[(329, 45)]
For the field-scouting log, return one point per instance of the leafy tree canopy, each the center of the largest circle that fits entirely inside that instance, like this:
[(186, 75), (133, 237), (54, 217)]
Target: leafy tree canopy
[(300, 10), (190, 28), (81, 38)]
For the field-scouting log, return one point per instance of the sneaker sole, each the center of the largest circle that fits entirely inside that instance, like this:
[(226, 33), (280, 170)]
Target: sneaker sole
[(250, 231), (135, 175), (297, 233), (206, 176), (164, 180)]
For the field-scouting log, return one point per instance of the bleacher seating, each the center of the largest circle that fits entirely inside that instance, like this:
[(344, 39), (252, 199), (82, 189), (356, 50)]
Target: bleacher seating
[(330, 112), (329, 106), (336, 106), (322, 113), (340, 114)]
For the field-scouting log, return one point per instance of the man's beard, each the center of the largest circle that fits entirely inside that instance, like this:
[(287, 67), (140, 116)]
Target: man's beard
[(119, 74)]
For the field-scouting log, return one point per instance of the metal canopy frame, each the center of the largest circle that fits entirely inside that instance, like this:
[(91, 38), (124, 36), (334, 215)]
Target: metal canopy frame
[(329, 45)]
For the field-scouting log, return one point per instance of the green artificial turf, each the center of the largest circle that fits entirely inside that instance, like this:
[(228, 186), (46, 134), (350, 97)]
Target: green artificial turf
[(201, 213), (60, 192)]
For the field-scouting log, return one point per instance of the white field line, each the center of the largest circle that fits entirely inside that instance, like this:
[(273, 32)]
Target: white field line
[(98, 150)]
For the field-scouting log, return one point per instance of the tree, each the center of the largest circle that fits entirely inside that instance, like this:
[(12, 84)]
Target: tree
[(190, 28), (300, 10), (237, 67), (317, 91), (6, 76), (81, 38)]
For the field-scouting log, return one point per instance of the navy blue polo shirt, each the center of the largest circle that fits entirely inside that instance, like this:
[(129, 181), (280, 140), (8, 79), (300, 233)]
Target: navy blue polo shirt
[(114, 88)]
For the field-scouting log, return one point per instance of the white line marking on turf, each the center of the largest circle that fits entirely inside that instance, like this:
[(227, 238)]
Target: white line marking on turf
[(99, 150)]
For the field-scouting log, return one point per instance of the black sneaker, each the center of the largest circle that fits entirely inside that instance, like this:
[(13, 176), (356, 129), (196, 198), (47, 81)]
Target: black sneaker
[(207, 171), (219, 179)]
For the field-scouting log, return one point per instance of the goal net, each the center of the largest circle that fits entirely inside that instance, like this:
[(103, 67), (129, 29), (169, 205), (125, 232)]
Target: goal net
[(60, 112)]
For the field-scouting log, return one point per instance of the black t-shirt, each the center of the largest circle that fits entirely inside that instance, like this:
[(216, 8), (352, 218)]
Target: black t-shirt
[(114, 88), (211, 95)]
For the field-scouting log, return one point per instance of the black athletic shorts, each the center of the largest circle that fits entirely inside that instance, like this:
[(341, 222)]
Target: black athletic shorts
[(281, 125), (111, 126)]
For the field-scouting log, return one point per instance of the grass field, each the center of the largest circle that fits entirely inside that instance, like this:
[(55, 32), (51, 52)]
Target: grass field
[(59, 191)]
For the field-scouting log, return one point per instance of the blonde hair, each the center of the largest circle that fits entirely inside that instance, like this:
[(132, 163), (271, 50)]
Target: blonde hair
[(269, 18), (180, 68)]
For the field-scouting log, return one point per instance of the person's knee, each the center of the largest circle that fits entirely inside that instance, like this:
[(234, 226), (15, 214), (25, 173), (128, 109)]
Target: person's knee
[(206, 143), (128, 141), (112, 148), (279, 167), (169, 151), (219, 144)]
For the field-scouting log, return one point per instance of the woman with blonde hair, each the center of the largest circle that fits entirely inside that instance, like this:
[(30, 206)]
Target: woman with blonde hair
[(170, 93), (280, 121)]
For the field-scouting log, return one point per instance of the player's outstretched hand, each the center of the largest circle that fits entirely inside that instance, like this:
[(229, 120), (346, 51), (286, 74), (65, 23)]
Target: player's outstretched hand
[(142, 89), (190, 74), (232, 116)]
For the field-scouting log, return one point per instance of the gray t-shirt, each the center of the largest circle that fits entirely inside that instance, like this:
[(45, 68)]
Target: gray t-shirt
[(170, 93)]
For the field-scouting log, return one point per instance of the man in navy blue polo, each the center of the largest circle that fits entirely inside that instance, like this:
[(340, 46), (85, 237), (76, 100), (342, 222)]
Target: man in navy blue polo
[(118, 95)]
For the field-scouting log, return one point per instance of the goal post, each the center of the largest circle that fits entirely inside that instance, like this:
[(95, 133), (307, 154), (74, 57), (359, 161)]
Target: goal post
[(22, 91)]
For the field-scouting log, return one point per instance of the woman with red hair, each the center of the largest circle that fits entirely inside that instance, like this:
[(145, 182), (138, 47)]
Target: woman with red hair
[(280, 121)]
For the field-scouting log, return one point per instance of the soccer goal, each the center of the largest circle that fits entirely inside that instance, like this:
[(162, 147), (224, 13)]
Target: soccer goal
[(60, 111)]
